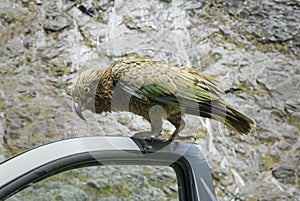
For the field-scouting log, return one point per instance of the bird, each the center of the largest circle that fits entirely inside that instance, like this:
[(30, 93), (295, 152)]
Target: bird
[(155, 90)]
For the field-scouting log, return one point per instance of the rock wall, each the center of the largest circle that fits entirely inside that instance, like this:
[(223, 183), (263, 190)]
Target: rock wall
[(252, 47)]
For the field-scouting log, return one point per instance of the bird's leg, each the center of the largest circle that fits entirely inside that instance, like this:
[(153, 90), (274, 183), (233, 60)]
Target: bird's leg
[(155, 117), (175, 134), (178, 127)]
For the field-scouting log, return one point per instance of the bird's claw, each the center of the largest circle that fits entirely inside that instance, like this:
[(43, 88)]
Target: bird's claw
[(143, 135), (186, 138), (146, 140)]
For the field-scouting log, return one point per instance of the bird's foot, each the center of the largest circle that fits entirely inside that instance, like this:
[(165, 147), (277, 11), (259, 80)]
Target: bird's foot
[(185, 138), (145, 146), (147, 138), (143, 135)]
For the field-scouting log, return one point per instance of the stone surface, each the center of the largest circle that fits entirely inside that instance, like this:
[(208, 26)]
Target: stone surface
[(251, 48)]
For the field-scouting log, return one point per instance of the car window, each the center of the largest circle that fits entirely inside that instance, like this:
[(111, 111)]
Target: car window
[(112, 182)]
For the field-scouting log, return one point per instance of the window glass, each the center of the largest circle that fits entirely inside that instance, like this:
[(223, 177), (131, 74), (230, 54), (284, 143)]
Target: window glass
[(113, 182)]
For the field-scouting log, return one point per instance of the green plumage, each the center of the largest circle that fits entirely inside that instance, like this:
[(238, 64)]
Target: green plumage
[(149, 83)]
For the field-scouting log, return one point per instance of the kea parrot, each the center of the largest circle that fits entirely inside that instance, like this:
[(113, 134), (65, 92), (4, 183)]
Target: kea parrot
[(155, 90)]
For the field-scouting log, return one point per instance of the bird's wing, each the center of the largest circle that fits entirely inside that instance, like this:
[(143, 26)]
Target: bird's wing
[(153, 80)]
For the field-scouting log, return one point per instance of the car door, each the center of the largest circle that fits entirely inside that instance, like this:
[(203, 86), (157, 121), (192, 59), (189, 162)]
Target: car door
[(107, 168)]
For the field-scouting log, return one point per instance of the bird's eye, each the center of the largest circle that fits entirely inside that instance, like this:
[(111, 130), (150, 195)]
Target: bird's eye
[(86, 90)]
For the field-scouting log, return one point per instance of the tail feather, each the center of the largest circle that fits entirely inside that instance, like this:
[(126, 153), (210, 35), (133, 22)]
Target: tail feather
[(238, 121), (224, 113)]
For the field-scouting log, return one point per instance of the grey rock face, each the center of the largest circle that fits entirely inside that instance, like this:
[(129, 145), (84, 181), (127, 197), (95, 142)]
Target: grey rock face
[(251, 48), (56, 23)]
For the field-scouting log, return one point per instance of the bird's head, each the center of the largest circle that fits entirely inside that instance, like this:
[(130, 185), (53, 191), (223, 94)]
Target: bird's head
[(84, 90)]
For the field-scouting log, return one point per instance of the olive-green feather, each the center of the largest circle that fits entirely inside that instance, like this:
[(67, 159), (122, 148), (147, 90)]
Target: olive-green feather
[(196, 92), (170, 81)]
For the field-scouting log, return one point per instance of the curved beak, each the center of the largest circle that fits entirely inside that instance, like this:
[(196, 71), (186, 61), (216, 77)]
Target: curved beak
[(77, 107)]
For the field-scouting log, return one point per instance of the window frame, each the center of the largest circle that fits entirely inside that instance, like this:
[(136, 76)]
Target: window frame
[(188, 168)]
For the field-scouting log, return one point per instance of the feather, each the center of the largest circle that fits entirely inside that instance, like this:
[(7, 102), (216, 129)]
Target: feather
[(158, 83), (195, 91)]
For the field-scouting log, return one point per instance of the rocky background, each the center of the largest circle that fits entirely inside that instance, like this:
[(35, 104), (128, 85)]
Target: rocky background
[(251, 47)]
